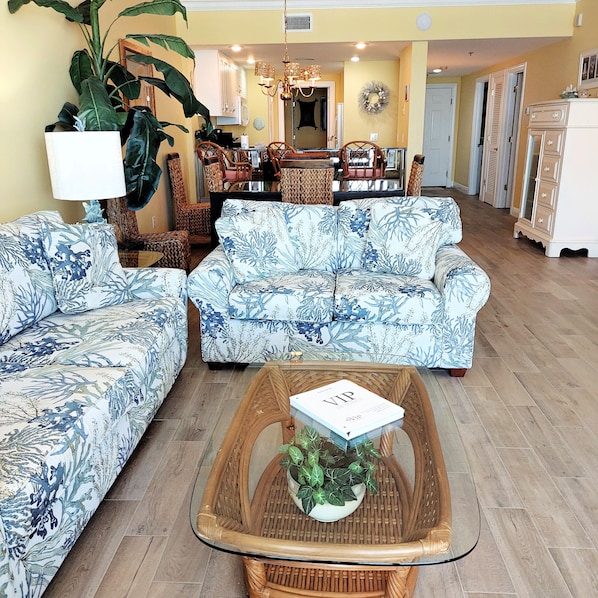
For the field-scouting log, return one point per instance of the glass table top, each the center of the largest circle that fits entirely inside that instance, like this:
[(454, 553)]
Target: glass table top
[(462, 525)]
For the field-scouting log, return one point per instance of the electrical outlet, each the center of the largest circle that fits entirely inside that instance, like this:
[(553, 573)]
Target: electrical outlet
[(373, 136), (153, 222)]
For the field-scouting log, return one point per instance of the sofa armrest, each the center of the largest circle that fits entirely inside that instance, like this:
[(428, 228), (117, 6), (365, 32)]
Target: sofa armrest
[(150, 283), (464, 285), (210, 283)]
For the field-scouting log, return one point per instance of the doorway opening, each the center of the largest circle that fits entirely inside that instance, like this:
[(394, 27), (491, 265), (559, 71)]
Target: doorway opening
[(309, 123)]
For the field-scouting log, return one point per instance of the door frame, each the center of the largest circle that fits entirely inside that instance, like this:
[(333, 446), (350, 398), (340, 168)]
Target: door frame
[(476, 151), (331, 118)]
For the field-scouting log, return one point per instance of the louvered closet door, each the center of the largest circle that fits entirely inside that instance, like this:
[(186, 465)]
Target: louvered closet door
[(493, 141)]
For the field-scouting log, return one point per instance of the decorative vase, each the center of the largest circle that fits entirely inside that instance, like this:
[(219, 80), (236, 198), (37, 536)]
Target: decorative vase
[(327, 512)]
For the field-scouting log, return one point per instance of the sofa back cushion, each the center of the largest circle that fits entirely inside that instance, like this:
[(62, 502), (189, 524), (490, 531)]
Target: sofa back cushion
[(354, 220), (312, 229), (26, 289)]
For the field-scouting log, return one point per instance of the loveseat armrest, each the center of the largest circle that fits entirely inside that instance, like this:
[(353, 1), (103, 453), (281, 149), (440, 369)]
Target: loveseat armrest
[(210, 283), (464, 285), (153, 283)]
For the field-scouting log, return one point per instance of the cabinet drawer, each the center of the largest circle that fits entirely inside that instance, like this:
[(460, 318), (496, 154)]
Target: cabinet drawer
[(550, 168), (547, 194), (543, 219), (549, 114), (553, 141)]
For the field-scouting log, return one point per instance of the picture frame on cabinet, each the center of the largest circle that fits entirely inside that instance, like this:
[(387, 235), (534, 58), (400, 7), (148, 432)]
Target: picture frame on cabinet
[(147, 96), (588, 69)]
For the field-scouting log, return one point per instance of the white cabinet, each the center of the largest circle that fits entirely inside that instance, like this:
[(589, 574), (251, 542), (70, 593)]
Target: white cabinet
[(216, 82), (559, 203)]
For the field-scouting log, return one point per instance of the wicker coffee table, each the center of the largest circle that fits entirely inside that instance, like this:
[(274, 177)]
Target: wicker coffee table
[(241, 502)]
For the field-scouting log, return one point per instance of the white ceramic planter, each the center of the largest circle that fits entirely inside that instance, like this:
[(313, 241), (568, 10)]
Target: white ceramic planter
[(327, 512)]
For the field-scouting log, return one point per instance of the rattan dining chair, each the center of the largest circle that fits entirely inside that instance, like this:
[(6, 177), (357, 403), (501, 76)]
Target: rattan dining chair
[(414, 186), (276, 152), (173, 245), (307, 185), (194, 218), (362, 160), (232, 171)]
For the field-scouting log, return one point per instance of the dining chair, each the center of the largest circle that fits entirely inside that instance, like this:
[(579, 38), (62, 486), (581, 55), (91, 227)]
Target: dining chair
[(307, 185), (232, 171), (194, 218), (414, 185), (276, 152), (362, 160), (174, 245)]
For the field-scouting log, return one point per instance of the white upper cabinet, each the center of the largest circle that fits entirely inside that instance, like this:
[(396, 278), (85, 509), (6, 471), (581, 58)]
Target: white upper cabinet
[(217, 82)]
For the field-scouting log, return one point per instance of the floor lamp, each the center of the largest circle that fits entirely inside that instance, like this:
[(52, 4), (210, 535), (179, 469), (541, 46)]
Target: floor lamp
[(86, 166)]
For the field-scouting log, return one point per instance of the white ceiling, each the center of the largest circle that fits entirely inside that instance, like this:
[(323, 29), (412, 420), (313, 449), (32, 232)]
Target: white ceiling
[(460, 57)]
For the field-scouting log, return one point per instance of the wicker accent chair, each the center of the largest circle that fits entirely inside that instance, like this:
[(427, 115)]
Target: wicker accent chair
[(194, 218), (232, 171), (213, 177), (276, 152), (174, 245), (307, 185), (362, 160), (414, 186)]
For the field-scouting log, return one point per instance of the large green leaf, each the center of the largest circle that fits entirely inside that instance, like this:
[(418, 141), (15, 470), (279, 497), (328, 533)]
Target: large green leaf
[(168, 42), (155, 7), (142, 173), (126, 83), (60, 6), (81, 68), (96, 110)]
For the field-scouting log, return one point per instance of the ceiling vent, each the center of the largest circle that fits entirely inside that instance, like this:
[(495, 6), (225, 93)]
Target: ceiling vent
[(298, 22)]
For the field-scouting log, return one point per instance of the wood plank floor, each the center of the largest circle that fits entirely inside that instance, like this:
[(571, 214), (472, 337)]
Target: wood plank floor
[(527, 412)]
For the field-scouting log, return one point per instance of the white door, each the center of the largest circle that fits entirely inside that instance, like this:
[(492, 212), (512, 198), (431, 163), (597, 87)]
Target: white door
[(438, 134), (493, 143)]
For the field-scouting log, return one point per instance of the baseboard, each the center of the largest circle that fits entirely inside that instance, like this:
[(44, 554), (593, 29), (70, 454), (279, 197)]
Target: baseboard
[(462, 188)]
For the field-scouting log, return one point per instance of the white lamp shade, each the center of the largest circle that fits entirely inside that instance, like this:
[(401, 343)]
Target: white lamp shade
[(85, 165)]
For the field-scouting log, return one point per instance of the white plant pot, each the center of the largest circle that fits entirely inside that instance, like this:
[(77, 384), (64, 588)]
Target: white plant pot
[(327, 512)]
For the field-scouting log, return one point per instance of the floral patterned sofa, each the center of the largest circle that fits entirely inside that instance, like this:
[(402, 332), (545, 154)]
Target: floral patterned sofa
[(377, 279), (88, 351)]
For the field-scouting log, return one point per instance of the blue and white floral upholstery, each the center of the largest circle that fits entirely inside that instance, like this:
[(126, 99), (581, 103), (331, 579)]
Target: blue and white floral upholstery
[(77, 391), (362, 291)]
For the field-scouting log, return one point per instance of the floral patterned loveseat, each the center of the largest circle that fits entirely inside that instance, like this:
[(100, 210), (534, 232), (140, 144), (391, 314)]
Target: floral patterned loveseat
[(88, 351), (377, 279)]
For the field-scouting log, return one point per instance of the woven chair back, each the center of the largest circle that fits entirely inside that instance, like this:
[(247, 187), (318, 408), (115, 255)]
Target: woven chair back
[(414, 186), (307, 185)]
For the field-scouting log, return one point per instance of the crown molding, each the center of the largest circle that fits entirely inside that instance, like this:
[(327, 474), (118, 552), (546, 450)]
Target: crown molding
[(224, 5)]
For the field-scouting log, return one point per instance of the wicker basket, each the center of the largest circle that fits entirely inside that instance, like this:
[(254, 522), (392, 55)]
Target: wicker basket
[(359, 555)]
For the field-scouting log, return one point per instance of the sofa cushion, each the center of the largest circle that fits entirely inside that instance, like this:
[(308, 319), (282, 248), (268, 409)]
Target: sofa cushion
[(306, 296), (402, 240), (26, 289), (312, 228), (364, 296), (257, 244), (85, 267)]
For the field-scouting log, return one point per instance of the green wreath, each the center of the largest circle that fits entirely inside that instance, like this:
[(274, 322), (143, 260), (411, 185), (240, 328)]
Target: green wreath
[(374, 97)]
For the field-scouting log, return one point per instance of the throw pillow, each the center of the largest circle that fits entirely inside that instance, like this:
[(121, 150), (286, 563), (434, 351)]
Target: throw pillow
[(85, 268), (257, 244), (402, 240)]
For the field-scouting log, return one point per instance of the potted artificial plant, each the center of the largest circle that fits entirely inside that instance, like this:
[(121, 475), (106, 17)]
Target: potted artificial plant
[(325, 481), (105, 88)]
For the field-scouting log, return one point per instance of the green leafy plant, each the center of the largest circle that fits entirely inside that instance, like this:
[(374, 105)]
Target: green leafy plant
[(105, 88), (325, 472)]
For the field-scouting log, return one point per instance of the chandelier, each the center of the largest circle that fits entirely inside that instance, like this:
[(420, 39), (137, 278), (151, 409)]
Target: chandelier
[(294, 76)]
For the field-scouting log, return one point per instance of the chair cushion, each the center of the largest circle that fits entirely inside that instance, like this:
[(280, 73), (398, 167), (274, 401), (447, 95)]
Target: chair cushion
[(26, 289), (402, 240), (257, 244), (85, 268), (363, 296), (306, 296)]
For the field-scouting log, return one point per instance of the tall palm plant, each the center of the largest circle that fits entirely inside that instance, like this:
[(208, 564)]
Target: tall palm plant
[(106, 87)]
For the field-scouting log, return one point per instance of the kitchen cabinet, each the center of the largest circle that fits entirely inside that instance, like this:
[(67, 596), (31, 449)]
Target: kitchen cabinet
[(217, 83), (559, 203)]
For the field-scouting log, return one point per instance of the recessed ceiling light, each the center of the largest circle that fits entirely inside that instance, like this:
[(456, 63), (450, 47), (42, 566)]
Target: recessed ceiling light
[(236, 48), (354, 58), (437, 70), (360, 45), (251, 61)]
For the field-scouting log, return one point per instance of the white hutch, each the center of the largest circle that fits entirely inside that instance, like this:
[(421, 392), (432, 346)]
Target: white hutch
[(559, 203)]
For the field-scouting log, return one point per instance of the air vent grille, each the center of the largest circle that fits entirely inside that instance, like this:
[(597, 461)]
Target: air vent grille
[(299, 22)]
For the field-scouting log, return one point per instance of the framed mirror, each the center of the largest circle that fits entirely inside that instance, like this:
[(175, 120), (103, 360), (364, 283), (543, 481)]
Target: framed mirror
[(147, 95)]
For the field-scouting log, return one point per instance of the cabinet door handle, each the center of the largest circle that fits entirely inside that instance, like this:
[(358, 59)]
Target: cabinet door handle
[(550, 142), (556, 115), (546, 168), (544, 195), (540, 220)]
